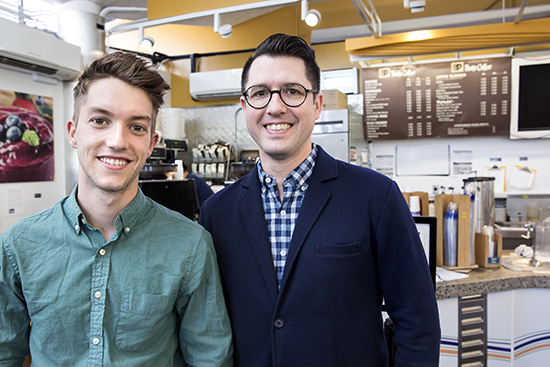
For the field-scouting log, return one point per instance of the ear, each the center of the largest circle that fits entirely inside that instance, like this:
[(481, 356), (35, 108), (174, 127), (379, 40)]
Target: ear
[(71, 132), (243, 102), (318, 105), (153, 142)]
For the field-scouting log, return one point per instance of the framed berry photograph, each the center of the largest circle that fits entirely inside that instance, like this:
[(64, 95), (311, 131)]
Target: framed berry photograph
[(26, 137)]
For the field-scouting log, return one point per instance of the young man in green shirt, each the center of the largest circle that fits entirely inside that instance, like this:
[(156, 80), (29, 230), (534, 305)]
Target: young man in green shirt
[(107, 277)]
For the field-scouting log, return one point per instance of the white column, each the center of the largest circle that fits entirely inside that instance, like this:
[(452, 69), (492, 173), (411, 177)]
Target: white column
[(79, 24)]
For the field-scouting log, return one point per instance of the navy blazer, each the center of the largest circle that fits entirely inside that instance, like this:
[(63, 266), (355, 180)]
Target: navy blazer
[(355, 244)]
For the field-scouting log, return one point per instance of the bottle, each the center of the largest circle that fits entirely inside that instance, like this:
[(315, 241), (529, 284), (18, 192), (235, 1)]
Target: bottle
[(414, 205), (450, 235), (490, 232)]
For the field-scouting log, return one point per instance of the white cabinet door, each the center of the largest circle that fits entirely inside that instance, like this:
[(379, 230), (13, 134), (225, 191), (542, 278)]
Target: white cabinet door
[(448, 319)]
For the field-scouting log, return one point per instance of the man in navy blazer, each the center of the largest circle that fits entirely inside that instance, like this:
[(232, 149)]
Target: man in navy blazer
[(309, 247)]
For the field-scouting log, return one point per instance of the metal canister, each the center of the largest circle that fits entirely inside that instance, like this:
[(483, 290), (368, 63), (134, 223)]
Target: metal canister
[(482, 206)]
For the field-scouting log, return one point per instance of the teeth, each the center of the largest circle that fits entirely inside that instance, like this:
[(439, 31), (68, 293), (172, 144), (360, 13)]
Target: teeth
[(114, 162), (278, 127)]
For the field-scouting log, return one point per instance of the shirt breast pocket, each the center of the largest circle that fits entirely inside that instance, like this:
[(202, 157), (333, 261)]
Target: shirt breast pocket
[(142, 320)]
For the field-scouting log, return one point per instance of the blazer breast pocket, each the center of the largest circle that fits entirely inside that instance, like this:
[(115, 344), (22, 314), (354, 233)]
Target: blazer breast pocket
[(338, 249)]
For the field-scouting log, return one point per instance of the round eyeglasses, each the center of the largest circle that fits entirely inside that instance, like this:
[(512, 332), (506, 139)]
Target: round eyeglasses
[(292, 95)]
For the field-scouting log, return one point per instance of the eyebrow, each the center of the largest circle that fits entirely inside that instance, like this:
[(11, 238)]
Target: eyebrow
[(102, 111)]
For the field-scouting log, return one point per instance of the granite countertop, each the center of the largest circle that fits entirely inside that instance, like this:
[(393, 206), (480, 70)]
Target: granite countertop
[(481, 280)]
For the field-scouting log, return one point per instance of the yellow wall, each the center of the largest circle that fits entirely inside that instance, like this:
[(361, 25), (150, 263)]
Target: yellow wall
[(175, 40), (157, 9)]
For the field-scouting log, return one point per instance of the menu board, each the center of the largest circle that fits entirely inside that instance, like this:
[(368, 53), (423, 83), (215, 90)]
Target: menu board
[(437, 100)]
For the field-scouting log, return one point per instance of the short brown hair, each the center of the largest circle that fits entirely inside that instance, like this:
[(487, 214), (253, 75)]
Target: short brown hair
[(127, 67), (281, 44)]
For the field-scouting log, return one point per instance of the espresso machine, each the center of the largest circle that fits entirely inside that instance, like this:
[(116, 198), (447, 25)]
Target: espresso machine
[(162, 176)]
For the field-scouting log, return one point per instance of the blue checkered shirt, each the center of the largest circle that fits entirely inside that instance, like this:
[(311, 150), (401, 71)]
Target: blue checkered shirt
[(281, 217)]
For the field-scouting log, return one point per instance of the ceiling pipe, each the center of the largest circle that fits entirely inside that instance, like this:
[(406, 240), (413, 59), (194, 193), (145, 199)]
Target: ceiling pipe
[(521, 10), (369, 16), (111, 9), (340, 34), (130, 26)]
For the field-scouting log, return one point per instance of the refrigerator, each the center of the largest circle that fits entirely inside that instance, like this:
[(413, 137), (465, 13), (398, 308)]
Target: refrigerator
[(339, 132), (331, 132)]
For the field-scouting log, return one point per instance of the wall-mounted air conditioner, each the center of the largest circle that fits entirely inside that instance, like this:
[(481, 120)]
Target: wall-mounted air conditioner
[(30, 50), (215, 84)]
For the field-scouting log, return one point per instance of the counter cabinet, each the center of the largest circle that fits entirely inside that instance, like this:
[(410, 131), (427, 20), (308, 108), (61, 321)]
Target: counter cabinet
[(517, 321)]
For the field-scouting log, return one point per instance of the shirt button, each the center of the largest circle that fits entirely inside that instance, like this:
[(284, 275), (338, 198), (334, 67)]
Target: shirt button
[(76, 228), (283, 212), (303, 188), (268, 180), (283, 253), (279, 323), (97, 294), (102, 251), (127, 229), (95, 341)]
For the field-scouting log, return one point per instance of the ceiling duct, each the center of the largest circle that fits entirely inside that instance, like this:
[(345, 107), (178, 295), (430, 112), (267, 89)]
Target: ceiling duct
[(340, 34)]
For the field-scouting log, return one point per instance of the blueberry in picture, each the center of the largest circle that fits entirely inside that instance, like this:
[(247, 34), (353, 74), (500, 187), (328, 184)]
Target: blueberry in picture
[(14, 134), (13, 120)]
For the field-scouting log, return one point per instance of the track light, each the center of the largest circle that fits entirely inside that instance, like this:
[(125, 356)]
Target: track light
[(147, 42), (225, 30), (313, 17), (415, 6)]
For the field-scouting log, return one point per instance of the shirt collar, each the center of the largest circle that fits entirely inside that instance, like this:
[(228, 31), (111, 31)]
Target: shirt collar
[(298, 177), (126, 219)]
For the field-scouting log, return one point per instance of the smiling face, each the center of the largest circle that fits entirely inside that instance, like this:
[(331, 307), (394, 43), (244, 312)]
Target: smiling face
[(113, 136), (282, 133)]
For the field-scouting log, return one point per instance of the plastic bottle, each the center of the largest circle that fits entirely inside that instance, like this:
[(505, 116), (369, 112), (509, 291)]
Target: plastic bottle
[(450, 235), (490, 232), (414, 205)]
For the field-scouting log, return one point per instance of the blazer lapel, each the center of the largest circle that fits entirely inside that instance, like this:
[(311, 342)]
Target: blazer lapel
[(251, 208), (316, 198)]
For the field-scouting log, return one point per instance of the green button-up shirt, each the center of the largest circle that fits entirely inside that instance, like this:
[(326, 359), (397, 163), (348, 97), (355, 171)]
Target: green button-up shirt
[(149, 296)]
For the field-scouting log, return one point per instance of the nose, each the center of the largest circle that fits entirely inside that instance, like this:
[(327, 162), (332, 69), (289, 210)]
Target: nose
[(276, 105), (116, 137)]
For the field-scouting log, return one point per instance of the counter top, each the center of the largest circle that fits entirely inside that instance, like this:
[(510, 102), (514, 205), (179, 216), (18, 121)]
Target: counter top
[(481, 280)]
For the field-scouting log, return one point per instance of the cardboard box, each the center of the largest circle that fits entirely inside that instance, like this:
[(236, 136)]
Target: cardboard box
[(464, 239), (333, 99), (482, 250), (424, 201)]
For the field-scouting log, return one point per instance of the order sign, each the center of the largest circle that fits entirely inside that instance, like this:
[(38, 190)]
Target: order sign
[(443, 99)]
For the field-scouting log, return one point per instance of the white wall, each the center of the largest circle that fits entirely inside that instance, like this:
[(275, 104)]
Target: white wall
[(52, 191), (483, 150), (205, 125)]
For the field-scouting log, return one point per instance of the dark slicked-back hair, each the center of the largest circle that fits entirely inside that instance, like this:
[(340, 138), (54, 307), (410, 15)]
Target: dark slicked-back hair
[(127, 67), (285, 45)]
